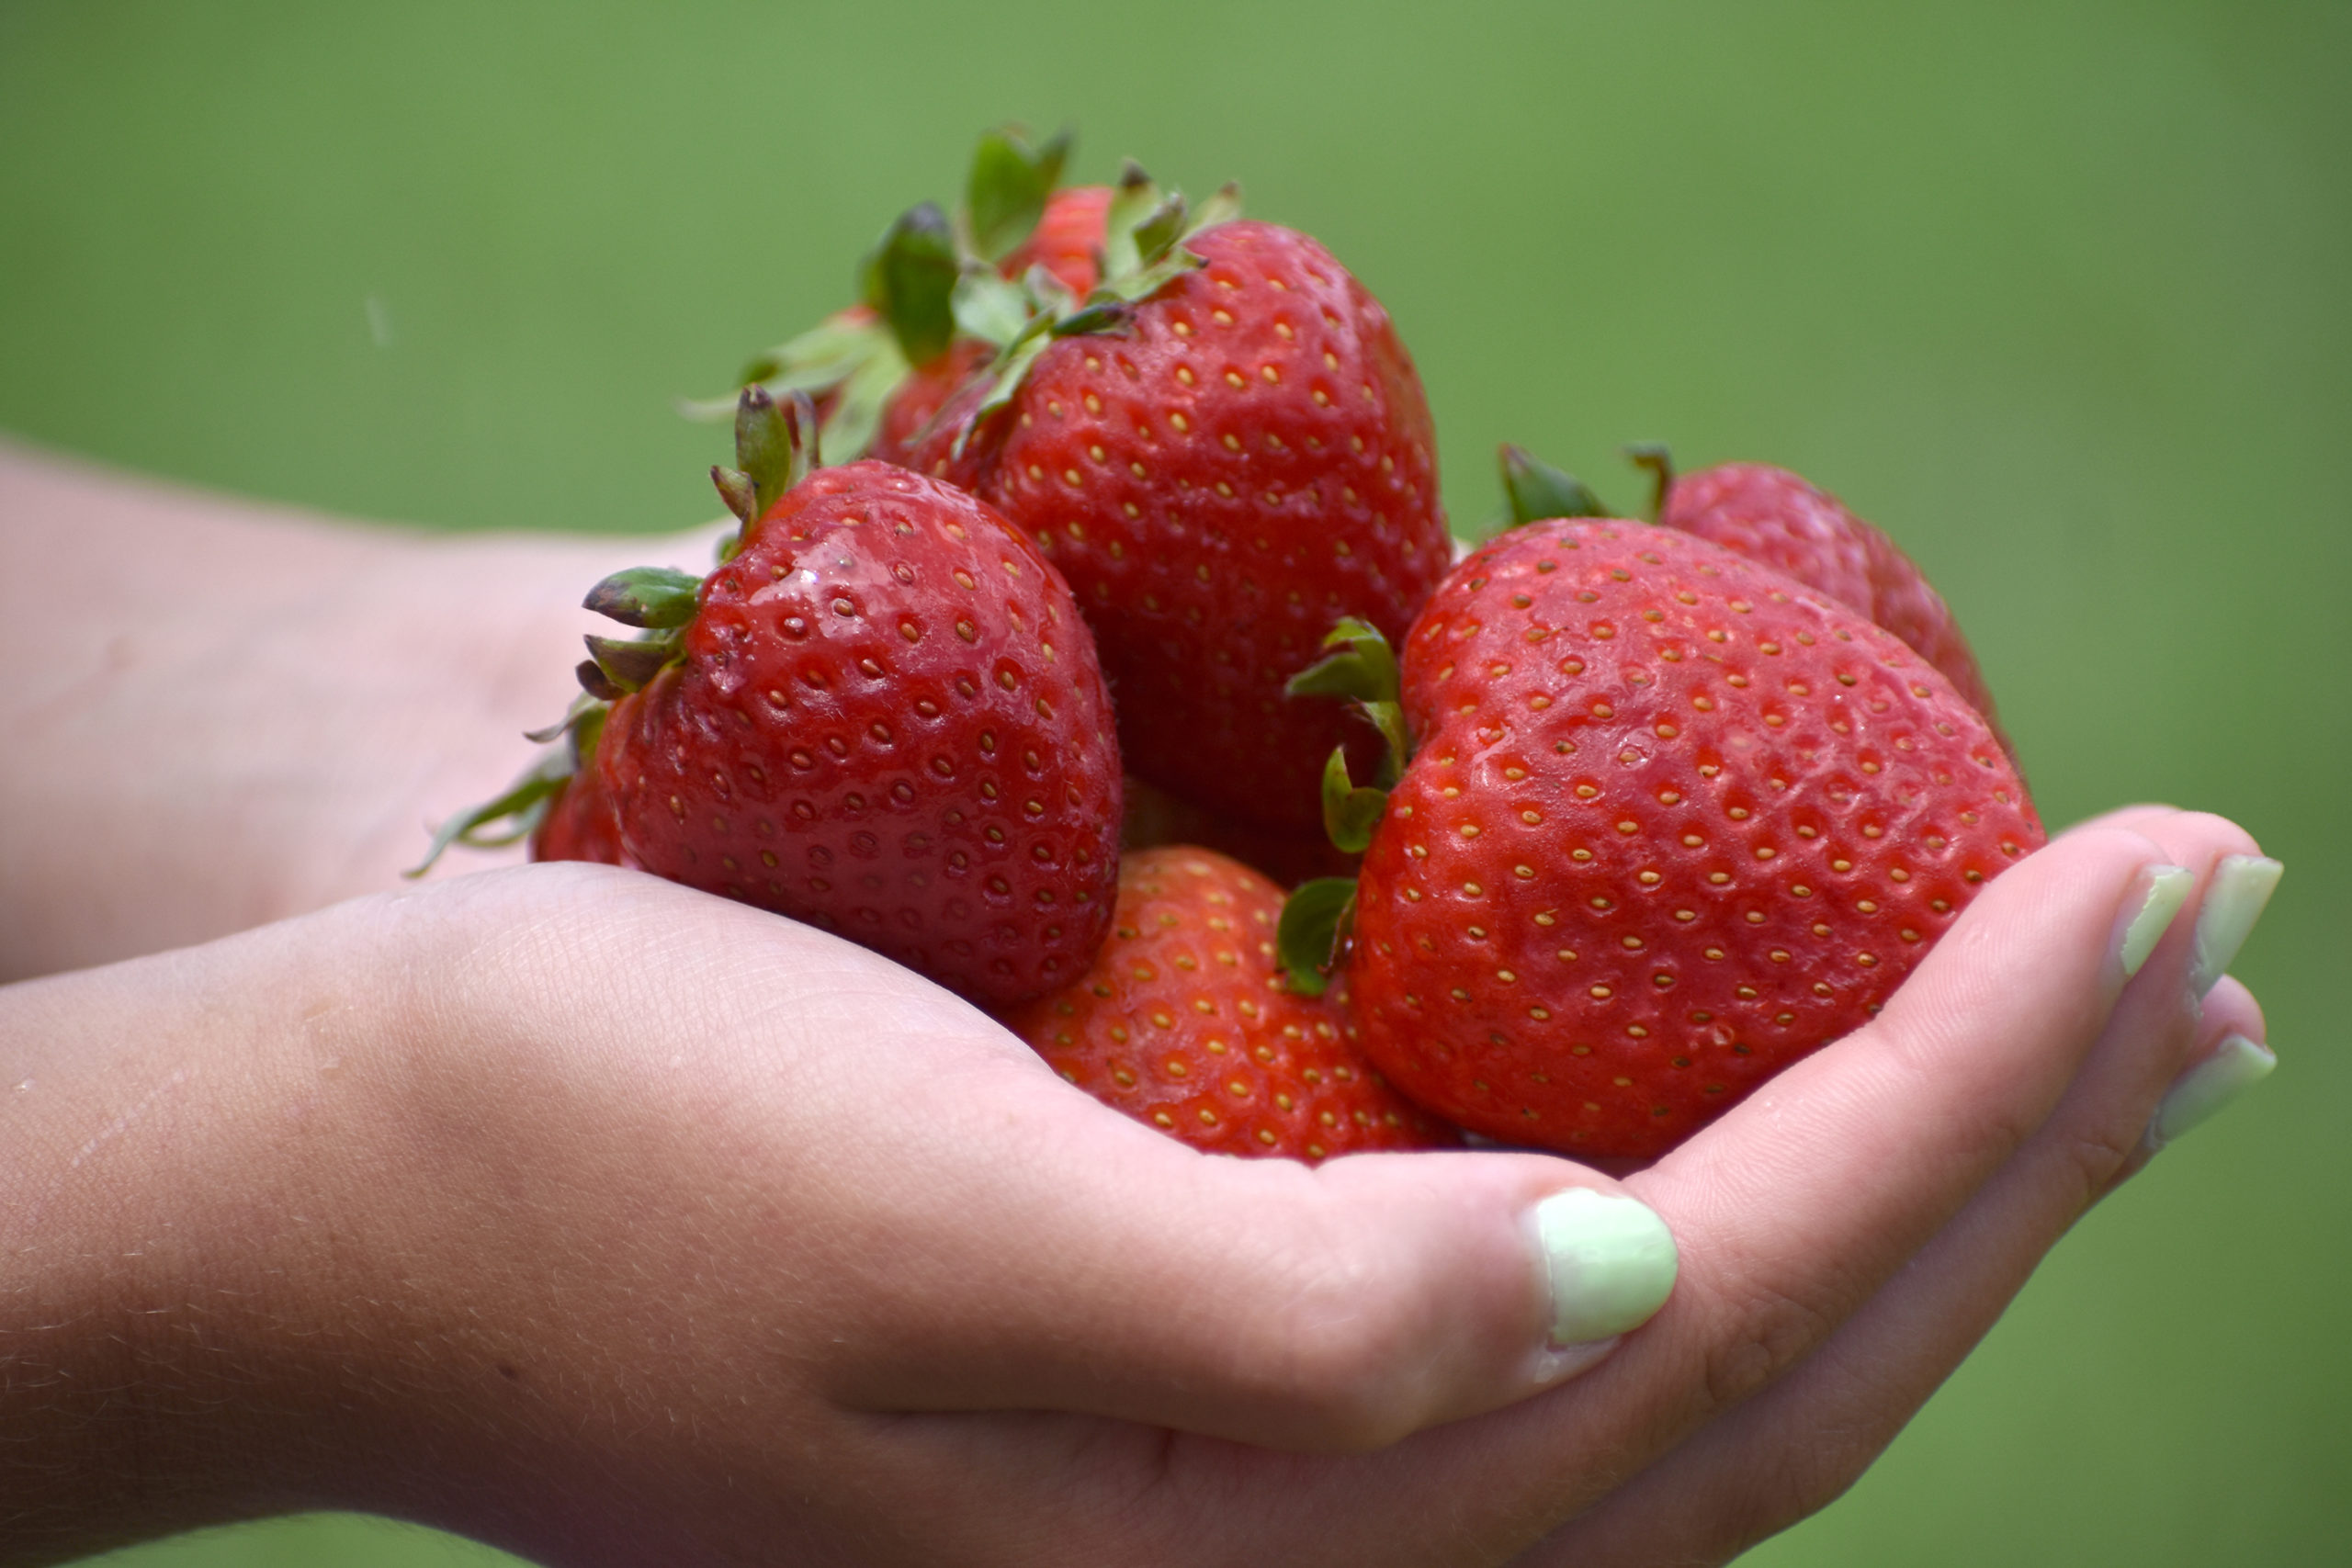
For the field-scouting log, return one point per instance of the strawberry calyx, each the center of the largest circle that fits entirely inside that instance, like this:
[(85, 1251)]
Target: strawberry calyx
[(775, 446), (908, 286), (1317, 918), (1143, 252), (1533, 489), (1360, 667), (518, 814)]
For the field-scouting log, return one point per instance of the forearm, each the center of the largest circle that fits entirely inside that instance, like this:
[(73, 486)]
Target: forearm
[(218, 714), (175, 1178)]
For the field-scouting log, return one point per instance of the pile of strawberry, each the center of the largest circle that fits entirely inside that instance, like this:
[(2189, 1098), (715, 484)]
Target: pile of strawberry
[(1133, 536)]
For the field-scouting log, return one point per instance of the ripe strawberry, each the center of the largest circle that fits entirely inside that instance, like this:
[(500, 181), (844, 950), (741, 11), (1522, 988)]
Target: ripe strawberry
[(881, 714), (1675, 822), (1185, 1025), (1227, 451), (581, 824), (1771, 515)]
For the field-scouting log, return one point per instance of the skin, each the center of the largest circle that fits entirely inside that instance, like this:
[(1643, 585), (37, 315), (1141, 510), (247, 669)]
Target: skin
[(613, 1223)]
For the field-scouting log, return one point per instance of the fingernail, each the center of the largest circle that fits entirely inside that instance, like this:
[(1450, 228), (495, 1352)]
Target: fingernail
[(2167, 889), (2242, 884), (1610, 1262), (2235, 1066)]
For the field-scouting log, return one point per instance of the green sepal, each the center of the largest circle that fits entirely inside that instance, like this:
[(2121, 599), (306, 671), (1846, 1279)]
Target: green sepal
[(1111, 318), (1223, 206), (1155, 232), (1005, 376), (630, 664), (1142, 253), (528, 801), (909, 279), (1351, 811), (1534, 490), (1317, 920), (1143, 231), (774, 445), (1008, 185), (1133, 199), (856, 414), (741, 496), (1363, 669), (827, 355), (596, 683), (655, 597), (990, 306), (1659, 459)]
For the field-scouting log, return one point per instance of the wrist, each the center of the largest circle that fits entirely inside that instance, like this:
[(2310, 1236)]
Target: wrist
[(195, 1332)]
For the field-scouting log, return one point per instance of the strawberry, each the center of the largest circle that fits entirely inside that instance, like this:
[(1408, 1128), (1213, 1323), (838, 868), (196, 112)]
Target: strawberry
[(1185, 1022), (1771, 515), (1675, 820), (580, 824), (879, 369), (881, 714), (1226, 450)]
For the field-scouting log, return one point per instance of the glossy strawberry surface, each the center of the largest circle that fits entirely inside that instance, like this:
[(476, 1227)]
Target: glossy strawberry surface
[(1248, 460), (1674, 820), (1779, 518), (888, 722), (1184, 1023)]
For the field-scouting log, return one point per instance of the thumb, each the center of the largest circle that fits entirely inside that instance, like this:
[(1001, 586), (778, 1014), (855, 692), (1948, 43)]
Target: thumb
[(1081, 1263)]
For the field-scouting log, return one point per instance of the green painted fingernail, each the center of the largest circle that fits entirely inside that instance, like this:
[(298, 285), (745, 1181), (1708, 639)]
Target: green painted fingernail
[(1609, 1261), (2235, 1066), (2242, 884), (2168, 889)]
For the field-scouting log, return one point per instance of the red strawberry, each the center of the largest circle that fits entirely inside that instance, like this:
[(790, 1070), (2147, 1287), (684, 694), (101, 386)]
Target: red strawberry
[(1185, 1025), (882, 715), (1223, 470), (1772, 515), (1675, 822), (580, 824)]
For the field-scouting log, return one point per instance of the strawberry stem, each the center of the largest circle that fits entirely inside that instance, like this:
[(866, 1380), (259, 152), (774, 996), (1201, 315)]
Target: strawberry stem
[(1659, 459)]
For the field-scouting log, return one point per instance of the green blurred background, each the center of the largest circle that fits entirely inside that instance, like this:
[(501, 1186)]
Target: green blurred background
[(2061, 294)]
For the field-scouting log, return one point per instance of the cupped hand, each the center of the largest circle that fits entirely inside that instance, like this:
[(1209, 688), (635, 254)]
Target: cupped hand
[(732, 1242)]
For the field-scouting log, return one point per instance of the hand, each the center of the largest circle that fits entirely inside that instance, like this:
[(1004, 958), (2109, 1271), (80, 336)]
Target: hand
[(613, 1223)]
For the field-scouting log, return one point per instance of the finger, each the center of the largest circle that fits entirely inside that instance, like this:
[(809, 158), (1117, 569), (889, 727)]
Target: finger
[(1798, 1445), (2235, 1058), (1085, 1264)]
